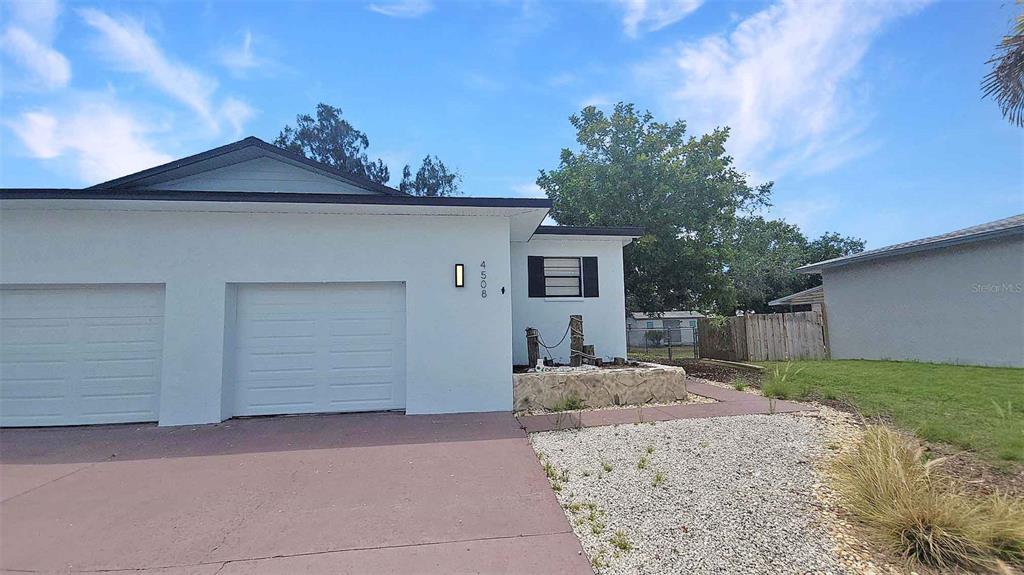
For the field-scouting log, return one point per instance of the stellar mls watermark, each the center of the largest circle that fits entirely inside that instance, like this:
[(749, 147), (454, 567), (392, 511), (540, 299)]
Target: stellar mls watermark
[(998, 288)]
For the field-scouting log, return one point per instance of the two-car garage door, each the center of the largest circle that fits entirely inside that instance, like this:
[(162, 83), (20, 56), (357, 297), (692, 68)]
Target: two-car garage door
[(73, 355)]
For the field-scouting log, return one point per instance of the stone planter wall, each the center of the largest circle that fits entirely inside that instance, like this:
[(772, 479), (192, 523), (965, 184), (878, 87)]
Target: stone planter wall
[(600, 387)]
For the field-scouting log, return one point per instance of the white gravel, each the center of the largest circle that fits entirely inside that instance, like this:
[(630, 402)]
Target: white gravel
[(737, 495)]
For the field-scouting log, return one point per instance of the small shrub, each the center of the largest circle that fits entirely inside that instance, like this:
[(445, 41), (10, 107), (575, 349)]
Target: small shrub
[(621, 541), (924, 516), (570, 402), (783, 385)]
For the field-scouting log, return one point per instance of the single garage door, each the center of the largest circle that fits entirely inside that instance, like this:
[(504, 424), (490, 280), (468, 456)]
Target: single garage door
[(305, 348), (74, 355)]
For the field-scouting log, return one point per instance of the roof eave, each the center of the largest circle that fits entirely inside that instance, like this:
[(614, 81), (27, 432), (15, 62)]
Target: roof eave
[(816, 268)]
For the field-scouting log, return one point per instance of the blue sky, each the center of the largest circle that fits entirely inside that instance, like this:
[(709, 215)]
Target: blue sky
[(866, 115)]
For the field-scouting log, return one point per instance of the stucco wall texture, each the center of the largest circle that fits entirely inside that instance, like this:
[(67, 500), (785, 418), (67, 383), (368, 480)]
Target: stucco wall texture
[(961, 305)]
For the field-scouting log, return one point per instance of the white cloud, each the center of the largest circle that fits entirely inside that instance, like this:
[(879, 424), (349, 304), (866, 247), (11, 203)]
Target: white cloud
[(28, 40), (403, 8), (810, 213), (652, 15), (597, 100), (237, 113), (528, 190), (125, 42), (783, 79), (100, 137), (242, 59)]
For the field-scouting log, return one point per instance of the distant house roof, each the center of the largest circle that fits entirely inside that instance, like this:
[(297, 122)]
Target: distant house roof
[(808, 296), (681, 314), (1012, 225)]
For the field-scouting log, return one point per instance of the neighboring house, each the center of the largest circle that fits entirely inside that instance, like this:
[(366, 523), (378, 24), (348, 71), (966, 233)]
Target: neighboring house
[(953, 298), (807, 300), (679, 327), (247, 280)]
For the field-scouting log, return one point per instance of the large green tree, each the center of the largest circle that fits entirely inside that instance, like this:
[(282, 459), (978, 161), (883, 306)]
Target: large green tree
[(767, 251), (330, 139), (683, 190), (432, 179)]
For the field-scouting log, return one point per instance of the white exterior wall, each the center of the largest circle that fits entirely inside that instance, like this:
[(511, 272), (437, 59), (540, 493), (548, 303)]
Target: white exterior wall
[(604, 317), (962, 304), (459, 349)]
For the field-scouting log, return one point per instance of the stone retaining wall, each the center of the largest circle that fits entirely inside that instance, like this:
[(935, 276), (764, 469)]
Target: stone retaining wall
[(600, 387)]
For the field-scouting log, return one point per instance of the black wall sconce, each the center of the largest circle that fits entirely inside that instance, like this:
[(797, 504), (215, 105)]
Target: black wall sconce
[(460, 275)]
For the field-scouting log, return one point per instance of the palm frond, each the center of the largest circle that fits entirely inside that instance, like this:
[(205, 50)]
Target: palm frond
[(1005, 83)]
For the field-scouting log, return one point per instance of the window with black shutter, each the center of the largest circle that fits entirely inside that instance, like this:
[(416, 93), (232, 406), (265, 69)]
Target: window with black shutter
[(555, 277)]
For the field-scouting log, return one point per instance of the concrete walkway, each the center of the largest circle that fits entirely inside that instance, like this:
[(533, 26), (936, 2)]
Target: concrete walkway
[(359, 493), (728, 402)]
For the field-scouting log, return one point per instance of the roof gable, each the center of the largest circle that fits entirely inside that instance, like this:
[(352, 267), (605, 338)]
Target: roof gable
[(249, 165)]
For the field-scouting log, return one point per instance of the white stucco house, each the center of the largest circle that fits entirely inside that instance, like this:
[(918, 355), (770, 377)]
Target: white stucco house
[(678, 326), (246, 280), (952, 298)]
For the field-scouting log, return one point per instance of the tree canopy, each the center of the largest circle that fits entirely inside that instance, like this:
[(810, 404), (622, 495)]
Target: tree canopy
[(331, 139), (432, 179), (684, 191), (767, 251)]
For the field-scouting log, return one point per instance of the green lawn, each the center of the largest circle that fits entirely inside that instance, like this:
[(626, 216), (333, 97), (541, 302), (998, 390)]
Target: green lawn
[(978, 408)]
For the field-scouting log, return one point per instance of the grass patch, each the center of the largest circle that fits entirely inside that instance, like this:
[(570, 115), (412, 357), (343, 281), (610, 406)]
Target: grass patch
[(740, 383), (620, 541), (976, 408), (571, 402), (924, 516), (655, 354)]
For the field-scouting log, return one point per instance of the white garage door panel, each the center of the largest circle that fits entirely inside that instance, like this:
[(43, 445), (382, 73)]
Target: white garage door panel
[(303, 348), (78, 355)]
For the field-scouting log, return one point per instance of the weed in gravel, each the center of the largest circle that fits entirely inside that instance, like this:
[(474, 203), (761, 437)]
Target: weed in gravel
[(607, 467), (740, 383), (575, 507), (598, 561), (621, 541), (650, 449), (585, 473), (659, 478), (925, 516), (556, 485), (642, 464), (570, 402), (550, 470)]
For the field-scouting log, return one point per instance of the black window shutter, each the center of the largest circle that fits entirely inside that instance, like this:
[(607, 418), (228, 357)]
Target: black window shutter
[(590, 277), (535, 273)]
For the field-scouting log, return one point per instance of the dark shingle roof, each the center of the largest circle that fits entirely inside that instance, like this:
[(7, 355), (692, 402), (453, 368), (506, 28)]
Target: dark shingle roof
[(999, 228)]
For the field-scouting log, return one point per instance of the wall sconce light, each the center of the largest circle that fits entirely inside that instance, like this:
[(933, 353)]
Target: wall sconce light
[(460, 275)]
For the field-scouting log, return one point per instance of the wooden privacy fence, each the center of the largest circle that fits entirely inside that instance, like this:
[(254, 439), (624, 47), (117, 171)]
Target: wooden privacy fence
[(763, 337)]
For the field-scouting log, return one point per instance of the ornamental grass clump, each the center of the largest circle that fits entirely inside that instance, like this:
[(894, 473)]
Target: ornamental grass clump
[(923, 515)]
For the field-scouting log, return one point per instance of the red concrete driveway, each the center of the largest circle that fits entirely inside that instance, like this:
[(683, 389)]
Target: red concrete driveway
[(369, 493)]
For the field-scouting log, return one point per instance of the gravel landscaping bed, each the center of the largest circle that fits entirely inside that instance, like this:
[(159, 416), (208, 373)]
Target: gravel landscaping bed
[(723, 495), (691, 398)]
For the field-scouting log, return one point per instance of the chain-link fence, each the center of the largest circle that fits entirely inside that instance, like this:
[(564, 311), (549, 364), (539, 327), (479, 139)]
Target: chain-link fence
[(669, 342)]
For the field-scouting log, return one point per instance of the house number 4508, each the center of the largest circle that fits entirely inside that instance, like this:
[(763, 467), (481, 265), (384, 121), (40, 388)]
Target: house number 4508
[(483, 278)]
